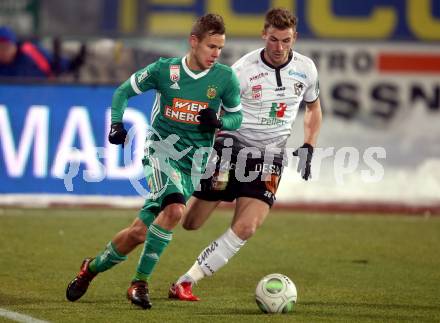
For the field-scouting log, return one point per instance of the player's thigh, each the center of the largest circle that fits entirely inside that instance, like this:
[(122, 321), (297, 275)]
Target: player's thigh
[(197, 212), (249, 214), (264, 185)]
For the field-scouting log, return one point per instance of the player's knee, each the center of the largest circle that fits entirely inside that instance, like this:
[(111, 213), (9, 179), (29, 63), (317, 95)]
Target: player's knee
[(174, 212), (245, 230), (190, 224)]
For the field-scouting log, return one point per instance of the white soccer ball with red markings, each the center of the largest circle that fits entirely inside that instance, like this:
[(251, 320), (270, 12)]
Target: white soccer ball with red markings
[(276, 293)]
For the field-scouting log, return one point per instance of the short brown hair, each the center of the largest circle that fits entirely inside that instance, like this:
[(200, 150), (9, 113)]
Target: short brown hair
[(280, 18), (210, 24)]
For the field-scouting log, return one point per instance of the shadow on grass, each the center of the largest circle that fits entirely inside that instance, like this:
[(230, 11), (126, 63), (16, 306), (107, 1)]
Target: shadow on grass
[(366, 310), (228, 312), (14, 300), (197, 308), (204, 309), (373, 305)]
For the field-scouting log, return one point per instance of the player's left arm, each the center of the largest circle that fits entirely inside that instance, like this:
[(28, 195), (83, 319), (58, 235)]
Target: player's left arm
[(231, 120), (313, 113), (312, 126), (312, 122), (232, 116)]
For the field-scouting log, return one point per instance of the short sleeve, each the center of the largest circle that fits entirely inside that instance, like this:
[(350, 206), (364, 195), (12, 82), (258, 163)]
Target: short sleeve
[(312, 91)]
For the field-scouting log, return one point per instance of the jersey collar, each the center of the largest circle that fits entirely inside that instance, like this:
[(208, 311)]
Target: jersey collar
[(191, 73), (273, 67)]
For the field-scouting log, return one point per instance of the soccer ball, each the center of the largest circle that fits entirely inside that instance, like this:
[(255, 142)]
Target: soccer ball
[(276, 293)]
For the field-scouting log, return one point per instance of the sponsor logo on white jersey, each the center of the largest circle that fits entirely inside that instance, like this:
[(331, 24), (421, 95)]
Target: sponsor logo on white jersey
[(298, 88), (277, 110), (258, 76), (299, 74), (276, 115), (257, 92)]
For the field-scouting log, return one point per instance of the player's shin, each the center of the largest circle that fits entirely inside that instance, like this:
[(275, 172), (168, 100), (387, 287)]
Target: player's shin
[(108, 258), (214, 257), (157, 240)]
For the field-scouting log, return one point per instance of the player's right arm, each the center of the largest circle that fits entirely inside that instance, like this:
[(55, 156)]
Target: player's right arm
[(139, 82), (120, 100)]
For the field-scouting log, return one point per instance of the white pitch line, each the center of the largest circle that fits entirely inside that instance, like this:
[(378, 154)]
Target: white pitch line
[(14, 316)]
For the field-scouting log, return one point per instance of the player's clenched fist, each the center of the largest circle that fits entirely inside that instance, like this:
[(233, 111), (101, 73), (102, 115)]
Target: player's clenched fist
[(305, 154), (117, 133), (208, 119)]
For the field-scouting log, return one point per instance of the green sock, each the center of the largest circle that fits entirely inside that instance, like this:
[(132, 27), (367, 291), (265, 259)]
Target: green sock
[(106, 259), (157, 240)]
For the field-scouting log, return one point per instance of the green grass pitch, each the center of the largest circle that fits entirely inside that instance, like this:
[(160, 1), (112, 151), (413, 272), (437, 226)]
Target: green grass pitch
[(347, 268)]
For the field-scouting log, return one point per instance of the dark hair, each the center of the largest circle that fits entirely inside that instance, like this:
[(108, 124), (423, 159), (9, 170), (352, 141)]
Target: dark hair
[(280, 18), (210, 24)]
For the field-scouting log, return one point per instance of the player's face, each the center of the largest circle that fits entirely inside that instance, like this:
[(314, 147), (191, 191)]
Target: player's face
[(278, 44), (207, 50), (7, 52)]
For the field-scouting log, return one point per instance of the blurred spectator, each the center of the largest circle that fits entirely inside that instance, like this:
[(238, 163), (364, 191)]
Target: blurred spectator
[(26, 59)]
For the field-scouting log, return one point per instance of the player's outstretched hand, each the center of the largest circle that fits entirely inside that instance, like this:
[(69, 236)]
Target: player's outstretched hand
[(208, 119), (305, 154), (117, 133)]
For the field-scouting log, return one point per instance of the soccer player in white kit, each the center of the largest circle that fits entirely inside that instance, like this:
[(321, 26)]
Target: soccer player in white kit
[(274, 80)]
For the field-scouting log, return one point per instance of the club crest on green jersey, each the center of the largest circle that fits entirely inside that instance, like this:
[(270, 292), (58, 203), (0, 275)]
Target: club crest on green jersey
[(211, 92)]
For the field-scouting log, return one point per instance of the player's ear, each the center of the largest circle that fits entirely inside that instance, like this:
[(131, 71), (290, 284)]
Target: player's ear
[(193, 41), (264, 34)]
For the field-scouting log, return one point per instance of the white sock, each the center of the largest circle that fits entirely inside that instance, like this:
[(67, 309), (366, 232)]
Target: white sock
[(193, 275), (213, 257)]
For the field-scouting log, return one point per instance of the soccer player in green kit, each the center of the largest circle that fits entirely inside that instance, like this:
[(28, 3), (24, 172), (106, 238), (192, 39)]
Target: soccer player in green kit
[(190, 91)]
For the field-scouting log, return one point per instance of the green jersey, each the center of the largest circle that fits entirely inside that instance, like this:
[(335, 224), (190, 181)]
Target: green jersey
[(180, 95)]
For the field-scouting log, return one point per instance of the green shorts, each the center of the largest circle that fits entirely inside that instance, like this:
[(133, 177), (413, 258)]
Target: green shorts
[(164, 177)]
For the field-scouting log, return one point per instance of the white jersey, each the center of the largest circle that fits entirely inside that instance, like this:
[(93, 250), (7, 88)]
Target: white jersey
[(271, 98)]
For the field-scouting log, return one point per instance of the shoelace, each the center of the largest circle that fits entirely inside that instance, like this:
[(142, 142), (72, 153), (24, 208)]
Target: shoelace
[(141, 289)]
